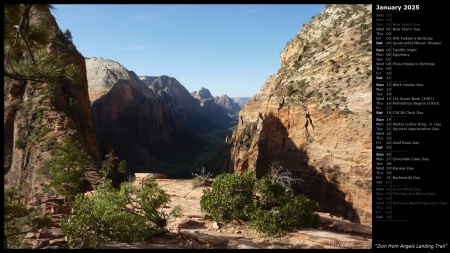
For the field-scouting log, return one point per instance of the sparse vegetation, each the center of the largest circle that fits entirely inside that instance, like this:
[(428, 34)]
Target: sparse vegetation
[(113, 170), (201, 178), (345, 111), (277, 174)]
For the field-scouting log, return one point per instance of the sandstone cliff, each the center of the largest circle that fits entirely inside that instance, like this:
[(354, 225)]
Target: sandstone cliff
[(103, 74), (314, 116), (38, 114)]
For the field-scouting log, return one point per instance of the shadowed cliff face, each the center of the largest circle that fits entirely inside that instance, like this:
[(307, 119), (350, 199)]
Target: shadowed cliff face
[(31, 121), (314, 115), (130, 119), (153, 122), (182, 105), (275, 145)]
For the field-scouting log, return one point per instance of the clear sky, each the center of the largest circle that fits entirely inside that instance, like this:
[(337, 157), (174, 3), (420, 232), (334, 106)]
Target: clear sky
[(227, 48)]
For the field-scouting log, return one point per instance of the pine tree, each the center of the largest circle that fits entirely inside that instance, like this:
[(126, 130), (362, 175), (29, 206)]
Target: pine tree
[(68, 35), (26, 37), (66, 168)]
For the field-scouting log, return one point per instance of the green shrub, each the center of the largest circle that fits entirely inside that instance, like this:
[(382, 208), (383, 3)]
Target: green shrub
[(269, 193), (20, 143), (114, 170), (281, 210), (290, 90), (129, 214), (230, 198), (268, 205)]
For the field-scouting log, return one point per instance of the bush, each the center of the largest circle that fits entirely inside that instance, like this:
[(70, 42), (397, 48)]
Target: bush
[(230, 198), (201, 179), (129, 214), (281, 210), (268, 205), (20, 143)]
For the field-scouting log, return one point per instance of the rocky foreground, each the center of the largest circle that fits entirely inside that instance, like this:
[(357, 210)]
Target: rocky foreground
[(193, 230)]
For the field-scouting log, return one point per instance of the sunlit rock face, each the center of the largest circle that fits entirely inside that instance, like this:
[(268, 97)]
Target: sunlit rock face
[(314, 116)]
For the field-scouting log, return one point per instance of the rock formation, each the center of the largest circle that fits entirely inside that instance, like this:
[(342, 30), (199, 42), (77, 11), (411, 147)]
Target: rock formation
[(152, 122), (207, 101), (215, 112), (183, 106), (39, 114), (130, 119), (314, 116), (228, 103), (103, 74), (202, 94)]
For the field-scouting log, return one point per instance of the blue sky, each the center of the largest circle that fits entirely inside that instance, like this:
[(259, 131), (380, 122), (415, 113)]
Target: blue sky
[(227, 48)]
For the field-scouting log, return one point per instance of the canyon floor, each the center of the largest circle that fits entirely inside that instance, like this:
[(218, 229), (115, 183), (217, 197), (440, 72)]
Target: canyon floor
[(193, 230)]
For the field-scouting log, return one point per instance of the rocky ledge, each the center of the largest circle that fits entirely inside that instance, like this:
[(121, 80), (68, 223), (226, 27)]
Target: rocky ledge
[(193, 230)]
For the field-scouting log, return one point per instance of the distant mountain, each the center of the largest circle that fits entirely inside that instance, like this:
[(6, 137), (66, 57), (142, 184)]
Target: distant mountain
[(122, 105), (169, 90), (217, 111), (202, 94), (241, 100), (228, 103)]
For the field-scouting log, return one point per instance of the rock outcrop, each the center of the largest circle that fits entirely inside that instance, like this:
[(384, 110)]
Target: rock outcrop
[(314, 116), (103, 74), (39, 114)]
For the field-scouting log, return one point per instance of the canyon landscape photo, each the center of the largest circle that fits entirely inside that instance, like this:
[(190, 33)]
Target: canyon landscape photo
[(74, 123)]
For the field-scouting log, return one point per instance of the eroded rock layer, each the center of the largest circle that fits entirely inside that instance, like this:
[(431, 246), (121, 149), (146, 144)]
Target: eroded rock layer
[(314, 116)]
